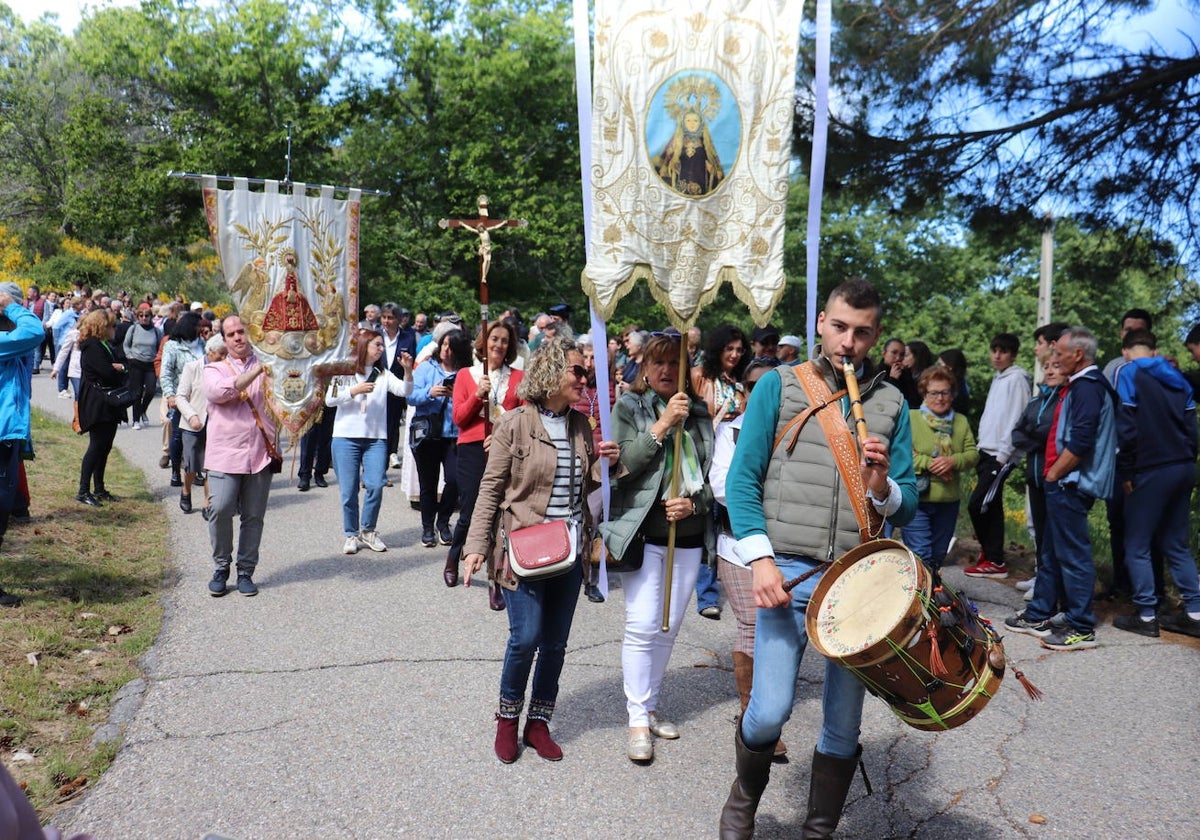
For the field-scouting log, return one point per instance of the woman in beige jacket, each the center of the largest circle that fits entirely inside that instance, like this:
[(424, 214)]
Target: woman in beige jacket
[(530, 479)]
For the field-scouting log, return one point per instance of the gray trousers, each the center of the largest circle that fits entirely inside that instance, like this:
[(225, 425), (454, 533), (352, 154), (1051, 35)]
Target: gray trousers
[(237, 494)]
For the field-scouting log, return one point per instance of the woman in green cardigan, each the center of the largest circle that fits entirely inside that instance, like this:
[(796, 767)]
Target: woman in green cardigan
[(943, 449)]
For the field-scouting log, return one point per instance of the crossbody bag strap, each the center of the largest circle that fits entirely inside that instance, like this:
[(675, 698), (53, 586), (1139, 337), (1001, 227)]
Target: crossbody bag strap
[(845, 450)]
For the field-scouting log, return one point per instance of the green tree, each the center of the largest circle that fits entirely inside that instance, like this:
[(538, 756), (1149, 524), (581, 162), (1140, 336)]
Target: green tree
[(475, 98), (37, 81), (1014, 105)]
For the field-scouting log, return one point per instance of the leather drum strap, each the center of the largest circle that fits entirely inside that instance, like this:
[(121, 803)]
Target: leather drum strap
[(841, 443)]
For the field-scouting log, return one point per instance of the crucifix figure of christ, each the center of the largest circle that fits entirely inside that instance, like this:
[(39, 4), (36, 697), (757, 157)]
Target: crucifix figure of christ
[(482, 226)]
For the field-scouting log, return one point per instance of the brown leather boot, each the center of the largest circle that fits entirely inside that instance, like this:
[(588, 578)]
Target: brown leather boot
[(743, 675), (827, 789), (753, 773)]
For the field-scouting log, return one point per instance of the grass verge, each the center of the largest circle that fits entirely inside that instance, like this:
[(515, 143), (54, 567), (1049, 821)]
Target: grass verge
[(91, 580)]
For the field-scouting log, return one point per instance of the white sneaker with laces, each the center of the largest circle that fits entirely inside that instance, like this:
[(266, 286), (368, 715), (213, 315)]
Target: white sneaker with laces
[(371, 540), (137, 425), (1025, 585), (351, 546), (64, 395)]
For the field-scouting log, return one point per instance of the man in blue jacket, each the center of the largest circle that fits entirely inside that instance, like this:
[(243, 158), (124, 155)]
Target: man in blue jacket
[(1081, 455), (20, 333), (1156, 428), (790, 511)]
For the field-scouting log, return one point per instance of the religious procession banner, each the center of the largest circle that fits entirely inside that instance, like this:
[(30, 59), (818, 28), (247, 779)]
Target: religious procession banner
[(692, 116), (291, 263)]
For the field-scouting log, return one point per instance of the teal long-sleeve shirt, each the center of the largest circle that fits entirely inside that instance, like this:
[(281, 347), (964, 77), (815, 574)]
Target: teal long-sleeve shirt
[(748, 470)]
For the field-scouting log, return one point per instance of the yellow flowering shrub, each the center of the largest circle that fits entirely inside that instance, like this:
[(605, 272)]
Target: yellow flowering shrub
[(12, 261), (112, 262)]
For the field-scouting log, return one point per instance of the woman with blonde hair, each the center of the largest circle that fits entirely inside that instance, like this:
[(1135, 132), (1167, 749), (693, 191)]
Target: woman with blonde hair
[(99, 371), (539, 469)]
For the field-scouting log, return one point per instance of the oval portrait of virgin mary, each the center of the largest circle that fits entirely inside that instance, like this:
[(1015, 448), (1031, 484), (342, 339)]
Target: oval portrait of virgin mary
[(693, 132)]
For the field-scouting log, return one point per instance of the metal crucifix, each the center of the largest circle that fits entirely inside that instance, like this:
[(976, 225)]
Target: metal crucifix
[(482, 226)]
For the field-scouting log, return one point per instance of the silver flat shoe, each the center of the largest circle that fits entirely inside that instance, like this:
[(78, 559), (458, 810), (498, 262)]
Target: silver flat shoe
[(641, 746), (663, 728)]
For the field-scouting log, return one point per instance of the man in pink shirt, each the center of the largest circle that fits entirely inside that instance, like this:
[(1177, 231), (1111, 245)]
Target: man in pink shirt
[(236, 458)]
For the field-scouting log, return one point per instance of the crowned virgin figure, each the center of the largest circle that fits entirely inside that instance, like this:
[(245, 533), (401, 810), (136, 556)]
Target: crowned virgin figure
[(290, 310)]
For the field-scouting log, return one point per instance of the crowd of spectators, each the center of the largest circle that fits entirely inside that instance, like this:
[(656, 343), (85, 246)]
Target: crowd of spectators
[(429, 393)]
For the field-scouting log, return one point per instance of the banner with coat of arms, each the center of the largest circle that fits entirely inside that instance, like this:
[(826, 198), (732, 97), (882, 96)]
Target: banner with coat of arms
[(692, 114), (290, 261)]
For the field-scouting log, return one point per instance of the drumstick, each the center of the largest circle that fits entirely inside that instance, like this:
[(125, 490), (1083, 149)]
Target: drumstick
[(789, 585), (856, 408)]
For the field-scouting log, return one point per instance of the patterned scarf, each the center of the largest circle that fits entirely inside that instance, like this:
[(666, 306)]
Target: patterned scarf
[(691, 477), (942, 427)]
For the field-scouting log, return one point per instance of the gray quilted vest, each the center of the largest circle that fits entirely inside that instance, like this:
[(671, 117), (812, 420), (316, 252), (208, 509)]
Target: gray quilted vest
[(807, 508)]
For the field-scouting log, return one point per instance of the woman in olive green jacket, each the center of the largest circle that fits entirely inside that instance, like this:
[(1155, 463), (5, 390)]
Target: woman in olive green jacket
[(645, 420), (943, 448)]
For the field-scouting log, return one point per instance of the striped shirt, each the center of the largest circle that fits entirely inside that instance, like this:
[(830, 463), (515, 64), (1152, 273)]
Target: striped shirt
[(560, 506)]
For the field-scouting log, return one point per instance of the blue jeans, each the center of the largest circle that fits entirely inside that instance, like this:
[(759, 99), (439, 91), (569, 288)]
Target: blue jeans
[(779, 642), (930, 532), (707, 592), (353, 457), (175, 447), (1157, 512), (1065, 567), (540, 613)]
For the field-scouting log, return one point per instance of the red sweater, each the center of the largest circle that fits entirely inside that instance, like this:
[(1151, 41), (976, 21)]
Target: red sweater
[(469, 409)]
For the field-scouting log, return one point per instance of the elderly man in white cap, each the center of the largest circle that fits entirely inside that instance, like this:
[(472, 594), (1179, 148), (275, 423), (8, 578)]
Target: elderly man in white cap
[(789, 349)]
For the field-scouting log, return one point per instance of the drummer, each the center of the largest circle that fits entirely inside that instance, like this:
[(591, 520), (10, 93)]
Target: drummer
[(780, 511)]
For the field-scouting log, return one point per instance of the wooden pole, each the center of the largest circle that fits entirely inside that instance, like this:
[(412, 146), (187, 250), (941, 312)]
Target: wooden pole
[(675, 468)]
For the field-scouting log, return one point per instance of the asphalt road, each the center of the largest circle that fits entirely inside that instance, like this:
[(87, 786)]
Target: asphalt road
[(353, 698)]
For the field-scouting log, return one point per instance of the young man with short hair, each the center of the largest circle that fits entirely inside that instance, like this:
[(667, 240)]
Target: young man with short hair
[(1006, 400), (790, 511)]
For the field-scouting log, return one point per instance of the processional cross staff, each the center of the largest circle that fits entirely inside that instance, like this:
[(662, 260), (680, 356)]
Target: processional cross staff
[(482, 225)]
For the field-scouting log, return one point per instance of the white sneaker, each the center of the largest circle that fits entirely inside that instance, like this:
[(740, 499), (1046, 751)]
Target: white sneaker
[(137, 425), (351, 546), (371, 540), (1029, 594), (394, 461), (1025, 585), (64, 395)]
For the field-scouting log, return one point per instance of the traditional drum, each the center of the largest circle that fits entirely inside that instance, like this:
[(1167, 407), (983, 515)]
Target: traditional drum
[(917, 645)]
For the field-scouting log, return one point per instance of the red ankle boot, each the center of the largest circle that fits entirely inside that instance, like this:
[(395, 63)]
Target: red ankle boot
[(506, 739), (537, 735)]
